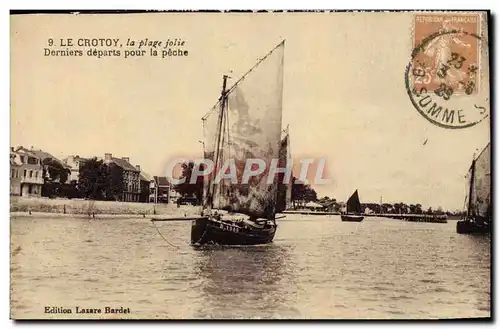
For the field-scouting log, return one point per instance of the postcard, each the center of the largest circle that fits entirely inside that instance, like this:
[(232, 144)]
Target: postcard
[(250, 165)]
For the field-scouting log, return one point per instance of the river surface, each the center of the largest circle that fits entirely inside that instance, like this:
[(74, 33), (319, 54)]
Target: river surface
[(317, 267)]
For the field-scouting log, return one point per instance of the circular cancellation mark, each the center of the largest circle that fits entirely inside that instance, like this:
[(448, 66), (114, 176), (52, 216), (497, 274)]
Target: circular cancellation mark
[(442, 79)]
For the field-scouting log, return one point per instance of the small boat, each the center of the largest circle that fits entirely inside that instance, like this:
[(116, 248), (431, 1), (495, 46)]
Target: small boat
[(479, 211), (353, 213), (246, 124), (221, 228)]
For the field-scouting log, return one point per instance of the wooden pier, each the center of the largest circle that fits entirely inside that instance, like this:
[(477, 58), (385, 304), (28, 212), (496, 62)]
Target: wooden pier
[(406, 217), (414, 217)]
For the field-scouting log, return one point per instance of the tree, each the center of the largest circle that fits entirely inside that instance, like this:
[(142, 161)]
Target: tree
[(302, 193), (54, 176), (387, 208), (92, 181), (310, 194), (412, 209), (297, 191), (418, 208), (53, 171), (399, 208), (186, 189)]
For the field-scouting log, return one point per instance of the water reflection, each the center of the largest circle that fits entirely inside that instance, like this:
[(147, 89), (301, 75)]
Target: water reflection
[(316, 268), (247, 278), (479, 241), (479, 252)]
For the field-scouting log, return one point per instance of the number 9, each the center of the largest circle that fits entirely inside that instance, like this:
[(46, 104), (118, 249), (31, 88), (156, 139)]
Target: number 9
[(51, 42)]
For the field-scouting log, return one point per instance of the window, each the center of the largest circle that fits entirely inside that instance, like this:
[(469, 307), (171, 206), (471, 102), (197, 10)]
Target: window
[(32, 160), (12, 173), (36, 174), (31, 173), (22, 158), (25, 172)]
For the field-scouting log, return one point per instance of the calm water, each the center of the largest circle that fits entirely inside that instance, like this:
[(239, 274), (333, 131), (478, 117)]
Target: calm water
[(317, 267)]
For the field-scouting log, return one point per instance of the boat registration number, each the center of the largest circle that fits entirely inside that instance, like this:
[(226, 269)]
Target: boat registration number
[(229, 228)]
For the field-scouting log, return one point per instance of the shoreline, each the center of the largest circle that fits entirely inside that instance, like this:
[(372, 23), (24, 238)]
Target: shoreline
[(41, 214), (78, 208)]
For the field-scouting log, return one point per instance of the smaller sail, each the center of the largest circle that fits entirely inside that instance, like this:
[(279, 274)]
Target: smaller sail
[(209, 147), (480, 205), (283, 187), (289, 183), (353, 204)]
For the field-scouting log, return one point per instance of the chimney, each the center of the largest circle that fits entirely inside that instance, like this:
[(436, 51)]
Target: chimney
[(107, 156), (126, 159), (138, 167)]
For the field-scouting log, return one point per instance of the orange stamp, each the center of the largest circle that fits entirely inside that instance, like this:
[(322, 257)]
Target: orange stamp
[(449, 52), (445, 67)]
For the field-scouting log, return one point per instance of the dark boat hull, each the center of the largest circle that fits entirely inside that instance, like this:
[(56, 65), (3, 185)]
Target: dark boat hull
[(206, 230), (471, 227), (351, 218)]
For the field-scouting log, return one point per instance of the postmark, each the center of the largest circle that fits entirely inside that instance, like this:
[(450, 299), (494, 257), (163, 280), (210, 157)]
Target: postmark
[(443, 76)]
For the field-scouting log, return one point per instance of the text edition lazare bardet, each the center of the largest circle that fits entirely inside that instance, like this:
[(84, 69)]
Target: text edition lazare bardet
[(83, 310)]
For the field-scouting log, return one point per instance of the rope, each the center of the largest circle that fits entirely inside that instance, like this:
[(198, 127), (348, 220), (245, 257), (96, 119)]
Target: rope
[(163, 236)]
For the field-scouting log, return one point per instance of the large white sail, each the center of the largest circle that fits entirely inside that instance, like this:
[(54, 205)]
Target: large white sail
[(480, 203), (251, 128)]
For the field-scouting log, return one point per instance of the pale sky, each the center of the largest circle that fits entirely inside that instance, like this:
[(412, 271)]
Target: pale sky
[(344, 96)]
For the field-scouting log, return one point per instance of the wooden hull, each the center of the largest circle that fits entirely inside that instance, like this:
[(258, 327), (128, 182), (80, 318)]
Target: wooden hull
[(207, 230), (352, 218), (471, 227)]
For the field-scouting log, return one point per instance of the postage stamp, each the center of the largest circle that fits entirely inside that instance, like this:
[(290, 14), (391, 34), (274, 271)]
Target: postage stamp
[(445, 69), (257, 165)]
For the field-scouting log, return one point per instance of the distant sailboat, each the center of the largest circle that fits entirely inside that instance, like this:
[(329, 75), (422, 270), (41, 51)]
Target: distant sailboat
[(479, 208), (244, 124), (353, 213)]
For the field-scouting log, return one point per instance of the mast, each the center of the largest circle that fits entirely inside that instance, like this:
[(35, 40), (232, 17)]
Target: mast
[(219, 132), (248, 125), (473, 169)]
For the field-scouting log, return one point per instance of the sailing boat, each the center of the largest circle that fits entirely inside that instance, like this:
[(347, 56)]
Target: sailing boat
[(284, 199), (244, 124), (479, 209), (353, 213)]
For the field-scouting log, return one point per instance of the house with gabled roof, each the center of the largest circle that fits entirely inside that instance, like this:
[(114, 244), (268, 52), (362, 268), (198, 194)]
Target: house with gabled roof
[(159, 190), (131, 177), (74, 162), (44, 156), (26, 173)]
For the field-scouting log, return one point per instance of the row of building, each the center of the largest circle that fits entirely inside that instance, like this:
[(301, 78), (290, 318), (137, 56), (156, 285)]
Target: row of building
[(27, 170)]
